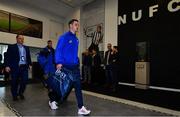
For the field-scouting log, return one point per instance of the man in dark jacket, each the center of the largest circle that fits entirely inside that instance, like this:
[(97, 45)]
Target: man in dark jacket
[(108, 65), (87, 61), (96, 67), (115, 67), (18, 62)]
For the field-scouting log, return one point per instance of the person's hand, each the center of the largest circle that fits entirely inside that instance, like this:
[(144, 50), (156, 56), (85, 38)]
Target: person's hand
[(7, 69), (30, 67), (59, 66)]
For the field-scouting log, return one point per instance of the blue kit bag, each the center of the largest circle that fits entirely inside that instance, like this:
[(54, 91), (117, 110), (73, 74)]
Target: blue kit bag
[(60, 82)]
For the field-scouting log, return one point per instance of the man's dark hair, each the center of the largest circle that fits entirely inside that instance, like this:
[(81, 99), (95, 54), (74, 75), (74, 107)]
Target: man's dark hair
[(18, 35), (99, 26), (115, 47), (72, 21), (49, 41)]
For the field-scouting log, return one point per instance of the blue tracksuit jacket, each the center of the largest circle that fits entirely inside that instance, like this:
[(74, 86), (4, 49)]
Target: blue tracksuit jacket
[(67, 49), (46, 60)]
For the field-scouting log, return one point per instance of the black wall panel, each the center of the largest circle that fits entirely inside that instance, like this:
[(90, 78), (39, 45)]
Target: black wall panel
[(162, 32)]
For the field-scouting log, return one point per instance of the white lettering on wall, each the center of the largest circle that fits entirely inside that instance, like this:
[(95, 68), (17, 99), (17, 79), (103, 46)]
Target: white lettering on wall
[(170, 8), (123, 20), (134, 18), (152, 9)]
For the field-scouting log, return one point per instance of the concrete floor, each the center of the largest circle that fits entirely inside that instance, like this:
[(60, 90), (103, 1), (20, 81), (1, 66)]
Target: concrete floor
[(4, 111), (36, 104)]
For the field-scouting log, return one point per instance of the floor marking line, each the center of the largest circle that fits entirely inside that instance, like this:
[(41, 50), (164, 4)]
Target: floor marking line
[(13, 110)]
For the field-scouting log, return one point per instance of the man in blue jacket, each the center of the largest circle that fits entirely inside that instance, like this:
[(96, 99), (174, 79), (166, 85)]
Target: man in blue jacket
[(49, 63), (46, 60), (66, 55), (18, 62)]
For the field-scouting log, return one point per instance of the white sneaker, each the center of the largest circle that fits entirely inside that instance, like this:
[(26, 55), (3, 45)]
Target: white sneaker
[(83, 111), (53, 105)]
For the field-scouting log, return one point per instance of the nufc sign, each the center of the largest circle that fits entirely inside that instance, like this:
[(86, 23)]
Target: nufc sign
[(172, 6)]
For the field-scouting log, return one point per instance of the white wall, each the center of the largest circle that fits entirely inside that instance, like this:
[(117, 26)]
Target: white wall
[(92, 15), (111, 22), (52, 25), (74, 15), (108, 15), (110, 26)]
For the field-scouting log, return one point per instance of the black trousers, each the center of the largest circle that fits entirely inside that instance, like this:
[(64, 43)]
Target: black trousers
[(19, 79), (93, 47)]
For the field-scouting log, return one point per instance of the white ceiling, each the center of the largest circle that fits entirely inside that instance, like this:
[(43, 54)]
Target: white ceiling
[(57, 7), (75, 3)]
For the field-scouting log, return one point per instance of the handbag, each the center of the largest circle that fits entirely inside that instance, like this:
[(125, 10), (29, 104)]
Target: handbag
[(61, 82), (65, 81)]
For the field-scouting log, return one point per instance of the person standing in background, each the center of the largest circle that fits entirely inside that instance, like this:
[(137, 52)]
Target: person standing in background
[(96, 67), (108, 66), (87, 61), (17, 64), (6, 74), (115, 67)]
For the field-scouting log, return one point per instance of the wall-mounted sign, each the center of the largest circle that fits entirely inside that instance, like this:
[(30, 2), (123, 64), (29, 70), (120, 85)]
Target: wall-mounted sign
[(151, 11)]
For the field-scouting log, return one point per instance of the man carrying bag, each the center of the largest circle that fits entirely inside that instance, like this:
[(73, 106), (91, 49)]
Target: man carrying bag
[(66, 57)]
